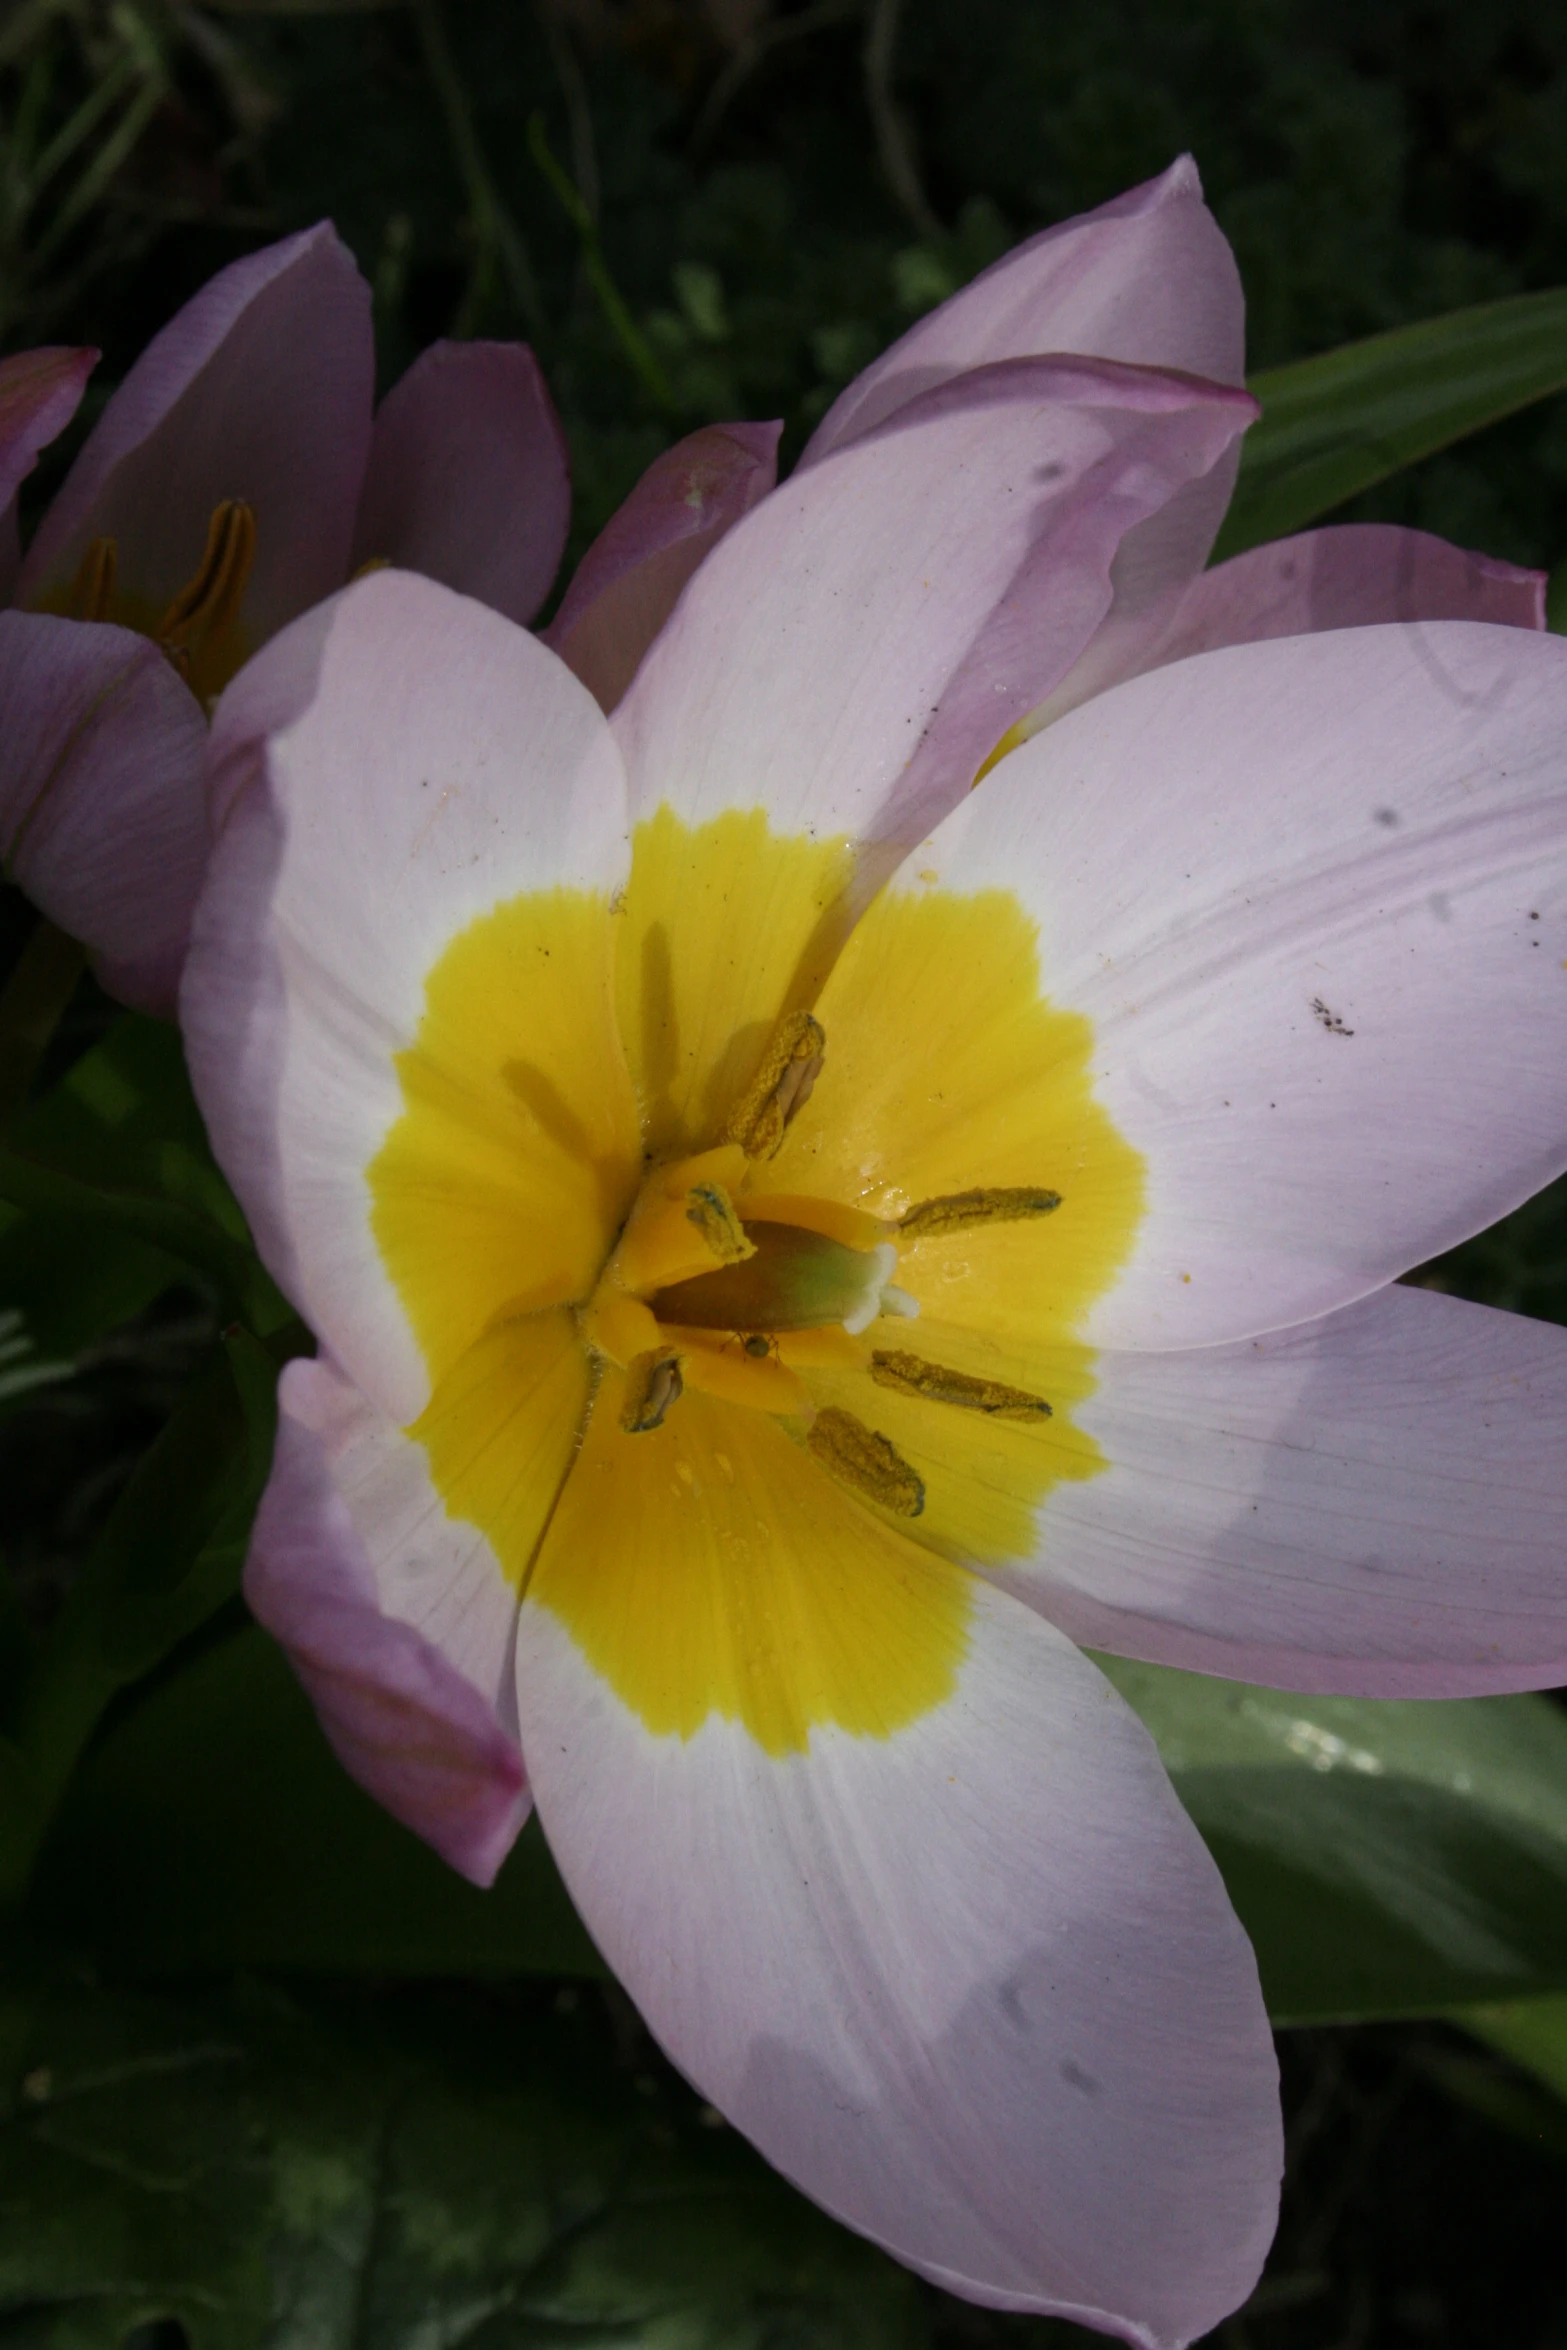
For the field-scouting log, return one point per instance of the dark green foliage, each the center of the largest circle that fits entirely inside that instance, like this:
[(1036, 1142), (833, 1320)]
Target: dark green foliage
[(378, 2173)]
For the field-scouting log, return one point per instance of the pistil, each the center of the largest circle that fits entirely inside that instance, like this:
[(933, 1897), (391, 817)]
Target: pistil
[(736, 1293)]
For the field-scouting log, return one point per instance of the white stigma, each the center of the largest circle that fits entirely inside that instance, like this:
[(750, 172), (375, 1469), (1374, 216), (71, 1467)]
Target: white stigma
[(882, 1294)]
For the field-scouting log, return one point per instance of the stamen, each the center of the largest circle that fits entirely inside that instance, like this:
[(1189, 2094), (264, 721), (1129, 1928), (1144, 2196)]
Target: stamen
[(619, 1326), (208, 605), (710, 1208), (92, 590), (711, 1364), (907, 1374), (864, 1460), (685, 1222), (653, 1384), (959, 1210), (781, 1087)]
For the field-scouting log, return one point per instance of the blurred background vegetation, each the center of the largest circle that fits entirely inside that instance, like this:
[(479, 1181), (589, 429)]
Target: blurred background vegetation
[(697, 209)]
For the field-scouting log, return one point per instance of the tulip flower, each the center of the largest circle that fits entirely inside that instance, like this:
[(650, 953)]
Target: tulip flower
[(233, 480), (797, 1242)]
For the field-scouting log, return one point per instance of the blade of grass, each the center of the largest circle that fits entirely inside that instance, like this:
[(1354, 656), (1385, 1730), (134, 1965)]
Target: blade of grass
[(1339, 423), (632, 341)]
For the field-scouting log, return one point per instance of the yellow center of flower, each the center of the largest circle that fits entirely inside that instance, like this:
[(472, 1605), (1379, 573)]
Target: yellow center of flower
[(747, 1318), (199, 628)]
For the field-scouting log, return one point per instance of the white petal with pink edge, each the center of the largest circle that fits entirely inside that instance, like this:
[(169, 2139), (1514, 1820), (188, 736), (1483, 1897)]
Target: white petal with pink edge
[(259, 389), (852, 651), (102, 818), (975, 1985), (398, 764), (397, 1620), (1148, 277), (1374, 1505), (1312, 895), (468, 479)]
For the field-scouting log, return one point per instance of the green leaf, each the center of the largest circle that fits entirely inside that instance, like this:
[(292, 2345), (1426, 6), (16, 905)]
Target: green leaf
[(384, 2173), (1531, 2032), (168, 1558), (111, 1195), (1337, 424), (1387, 1857), (213, 1827), (1476, 2078), (1531, 2035)]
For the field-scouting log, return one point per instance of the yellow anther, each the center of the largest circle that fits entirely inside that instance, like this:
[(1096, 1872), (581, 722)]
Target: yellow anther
[(908, 1374), (781, 1086), (92, 590), (710, 1208), (865, 1461), (653, 1385), (960, 1210), (677, 1238), (207, 607)]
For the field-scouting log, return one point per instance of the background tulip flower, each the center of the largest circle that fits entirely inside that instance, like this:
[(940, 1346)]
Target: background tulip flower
[(234, 478), (796, 1241)]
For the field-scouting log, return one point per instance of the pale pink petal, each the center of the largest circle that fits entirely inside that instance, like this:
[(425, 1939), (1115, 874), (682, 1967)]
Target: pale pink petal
[(850, 654), (1351, 575), (259, 389), (1374, 1505), (1312, 896), (625, 586), (102, 818), (973, 1984), (468, 480), (1148, 277), (396, 1618), (396, 765), (39, 394), (1157, 565)]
